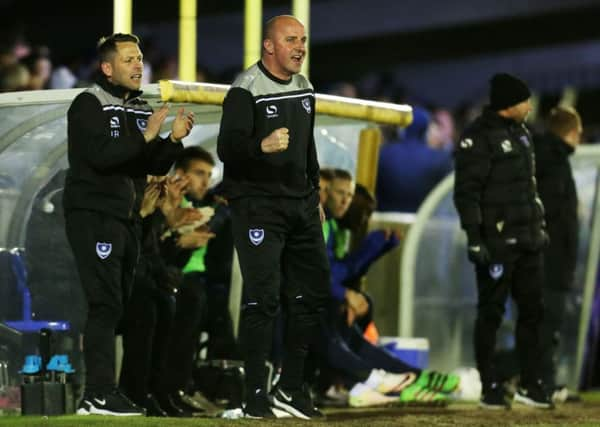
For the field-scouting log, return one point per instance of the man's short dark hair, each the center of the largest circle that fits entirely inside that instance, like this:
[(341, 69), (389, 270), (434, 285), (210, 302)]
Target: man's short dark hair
[(342, 174), (191, 154), (107, 46), (326, 174)]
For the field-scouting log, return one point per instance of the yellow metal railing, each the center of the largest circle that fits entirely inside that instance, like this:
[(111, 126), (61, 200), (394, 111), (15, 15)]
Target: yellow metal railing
[(122, 16), (359, 109), (187, 40)]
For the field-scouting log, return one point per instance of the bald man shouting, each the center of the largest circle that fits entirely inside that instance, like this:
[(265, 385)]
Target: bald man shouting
[(271, 178)]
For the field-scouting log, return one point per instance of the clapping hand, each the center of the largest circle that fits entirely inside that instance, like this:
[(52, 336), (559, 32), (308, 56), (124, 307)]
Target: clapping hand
[(154, 123), (151, 198), (182, 125)]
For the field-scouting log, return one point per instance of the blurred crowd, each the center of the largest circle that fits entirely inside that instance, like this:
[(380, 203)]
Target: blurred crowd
[(24, 66), (413, 160)]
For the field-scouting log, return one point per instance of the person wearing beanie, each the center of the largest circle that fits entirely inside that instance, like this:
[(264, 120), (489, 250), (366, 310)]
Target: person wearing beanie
[(497, 201)]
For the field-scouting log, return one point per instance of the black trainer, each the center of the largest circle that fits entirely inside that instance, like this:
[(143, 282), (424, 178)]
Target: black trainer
[(258, 407), (535, 396), (114, 403), (152, 407), (494, 397), (171, 406), (296, 403)]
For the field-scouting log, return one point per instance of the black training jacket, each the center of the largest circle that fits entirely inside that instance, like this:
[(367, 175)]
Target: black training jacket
[(108, 154), (559, 194), (258, 103), (495, 190)]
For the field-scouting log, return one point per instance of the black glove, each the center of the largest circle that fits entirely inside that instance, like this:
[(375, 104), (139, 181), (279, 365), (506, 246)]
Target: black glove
[(479, 254)]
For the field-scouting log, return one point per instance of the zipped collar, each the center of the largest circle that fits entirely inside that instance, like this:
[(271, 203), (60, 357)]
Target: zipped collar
[(559, 143), (492, 117), (271, 76), (117, 90)]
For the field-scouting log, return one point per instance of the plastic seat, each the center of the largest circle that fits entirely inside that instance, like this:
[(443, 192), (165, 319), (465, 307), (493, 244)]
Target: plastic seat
[(32, 366), (60, 363), (26, 323)]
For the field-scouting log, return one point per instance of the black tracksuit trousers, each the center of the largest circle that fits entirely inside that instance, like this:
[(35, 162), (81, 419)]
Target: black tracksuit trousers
[(282, 253), (106, 251), (521, 276), (191, 309), (147, 330)]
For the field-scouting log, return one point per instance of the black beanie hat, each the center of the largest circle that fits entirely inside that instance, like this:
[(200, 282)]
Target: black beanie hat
[(506, 91)]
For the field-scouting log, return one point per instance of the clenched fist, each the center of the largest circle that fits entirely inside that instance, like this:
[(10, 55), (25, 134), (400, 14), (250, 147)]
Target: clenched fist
[(276, 142)]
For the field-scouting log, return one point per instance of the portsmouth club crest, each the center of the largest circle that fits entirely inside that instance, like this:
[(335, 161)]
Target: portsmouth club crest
[(142, 124), (306, 105), (496, 271), (257, 235), (103, 250)]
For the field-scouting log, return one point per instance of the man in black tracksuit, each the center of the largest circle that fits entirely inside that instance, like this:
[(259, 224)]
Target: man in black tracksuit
[(113, 144), (558, 193), (271, 179), (496, 198)]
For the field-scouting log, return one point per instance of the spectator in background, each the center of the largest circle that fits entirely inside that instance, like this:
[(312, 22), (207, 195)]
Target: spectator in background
[(40, 68), (63, 78), (7, 55), (409, 168), (344, 89), (441, 132), (558, 192), (13, 78), (165, 69)]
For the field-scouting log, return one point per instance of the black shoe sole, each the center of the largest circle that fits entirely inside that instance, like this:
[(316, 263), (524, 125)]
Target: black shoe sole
[(295, 412)]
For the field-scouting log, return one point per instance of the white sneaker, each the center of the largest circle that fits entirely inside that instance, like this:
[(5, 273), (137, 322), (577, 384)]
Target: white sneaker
[(470, 386), (233, 414), (386, 382), (361, 396), (560, 395)]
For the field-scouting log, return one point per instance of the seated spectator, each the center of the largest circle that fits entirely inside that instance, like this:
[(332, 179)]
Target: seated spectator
[(150, 313), (204, 254), (373, 371), (409, 168), (325, 177)]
